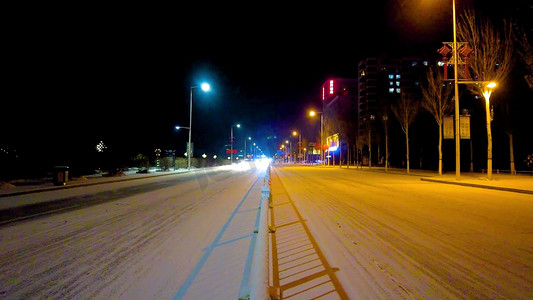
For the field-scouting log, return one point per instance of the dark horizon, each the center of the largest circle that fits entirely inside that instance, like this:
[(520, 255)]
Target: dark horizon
[(123, 75)]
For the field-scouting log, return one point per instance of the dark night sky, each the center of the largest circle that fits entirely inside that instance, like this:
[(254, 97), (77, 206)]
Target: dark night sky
[(83, 73)]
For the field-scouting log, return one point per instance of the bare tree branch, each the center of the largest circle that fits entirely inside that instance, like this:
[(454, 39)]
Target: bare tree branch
[(492, 58)]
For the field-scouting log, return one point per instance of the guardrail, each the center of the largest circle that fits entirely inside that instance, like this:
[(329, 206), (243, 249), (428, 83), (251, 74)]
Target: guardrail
[(260, 270)]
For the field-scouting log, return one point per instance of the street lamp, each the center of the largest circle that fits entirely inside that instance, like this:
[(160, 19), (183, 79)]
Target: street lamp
[(205, 87), (231, 140), (294, 133), (244, 151), (486, 94), (312, 114)]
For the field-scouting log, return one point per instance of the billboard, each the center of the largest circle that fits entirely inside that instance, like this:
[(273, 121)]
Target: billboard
[(333, 142)]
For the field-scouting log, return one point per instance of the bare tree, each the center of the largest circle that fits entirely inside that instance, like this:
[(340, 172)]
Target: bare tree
[(405, 112), (436, 99), (492, 60), (526, 52)]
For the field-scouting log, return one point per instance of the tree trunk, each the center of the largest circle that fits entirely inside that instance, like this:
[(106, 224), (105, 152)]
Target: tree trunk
[(386, 149), (407, 146), (513, 170), (489, 140), (440, 148), (369, 148), (471, 156)]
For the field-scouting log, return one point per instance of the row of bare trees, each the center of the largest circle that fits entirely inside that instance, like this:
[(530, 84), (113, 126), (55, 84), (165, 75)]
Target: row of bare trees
[(494, 49), (492, 61)]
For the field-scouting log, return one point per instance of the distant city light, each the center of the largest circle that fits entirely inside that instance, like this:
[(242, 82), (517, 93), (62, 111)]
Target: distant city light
[(100, 147)]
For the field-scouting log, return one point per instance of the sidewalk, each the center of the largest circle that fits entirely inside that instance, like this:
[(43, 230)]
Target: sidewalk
[(519, 183), (299, 268)]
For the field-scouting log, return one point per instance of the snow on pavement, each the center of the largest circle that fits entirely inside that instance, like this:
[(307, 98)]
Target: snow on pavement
[(141, 246), (394, 236)]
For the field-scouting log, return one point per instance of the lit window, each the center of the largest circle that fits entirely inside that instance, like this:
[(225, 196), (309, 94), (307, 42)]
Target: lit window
[(391, 76), (391, 90), (391, 83), (414, 63), (397, 83), (331, 86), (323, 94), (398, 90), (425, 63), (397, 76), (440, 63), (363, 73), (417, 83)]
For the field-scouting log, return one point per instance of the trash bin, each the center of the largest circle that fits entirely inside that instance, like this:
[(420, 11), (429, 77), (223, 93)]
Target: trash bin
[(60, 175)]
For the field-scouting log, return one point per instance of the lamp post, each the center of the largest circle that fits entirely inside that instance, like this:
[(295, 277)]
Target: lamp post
[(186, 153), (486, 94), (231, 140), (205, 87), (312, 114), (244, 151), (456, 88), (289, 149), (295, 133)]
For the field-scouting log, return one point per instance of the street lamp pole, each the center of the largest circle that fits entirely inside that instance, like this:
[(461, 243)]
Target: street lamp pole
[(312, 113), (231, 141), (294, 133), (456, 87), (190, 133), (205, 87)]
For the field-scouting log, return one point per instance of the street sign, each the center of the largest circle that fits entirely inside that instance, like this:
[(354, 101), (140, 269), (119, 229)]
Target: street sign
[(464, 127), (448, 127)]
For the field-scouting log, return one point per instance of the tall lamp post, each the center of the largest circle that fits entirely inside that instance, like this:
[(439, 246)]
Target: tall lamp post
[(188, 154), (205, 87), (312, 114), (456, 88), (231, 140), (289, 143), (295, 133), (244, 154)]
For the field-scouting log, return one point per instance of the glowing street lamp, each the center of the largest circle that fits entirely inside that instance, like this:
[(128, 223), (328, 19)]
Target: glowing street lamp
[(205, 87), (486, 94), (312, 114), (295, 133)]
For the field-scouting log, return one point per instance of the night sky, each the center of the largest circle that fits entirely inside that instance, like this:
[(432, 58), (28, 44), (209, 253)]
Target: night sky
[(78, 74)]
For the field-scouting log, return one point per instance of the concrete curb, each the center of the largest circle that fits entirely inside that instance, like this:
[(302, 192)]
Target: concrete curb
[(506, 189)]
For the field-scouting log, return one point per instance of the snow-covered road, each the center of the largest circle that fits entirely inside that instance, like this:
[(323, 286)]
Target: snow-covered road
[(392, 236), (143, 244)]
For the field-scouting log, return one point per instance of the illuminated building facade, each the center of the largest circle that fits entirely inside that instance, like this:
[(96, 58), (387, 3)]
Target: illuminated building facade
[(339, 106), (381, 82)]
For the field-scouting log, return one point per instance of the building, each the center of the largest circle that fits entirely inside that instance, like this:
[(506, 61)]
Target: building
[(382, 81), (340, 107)]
